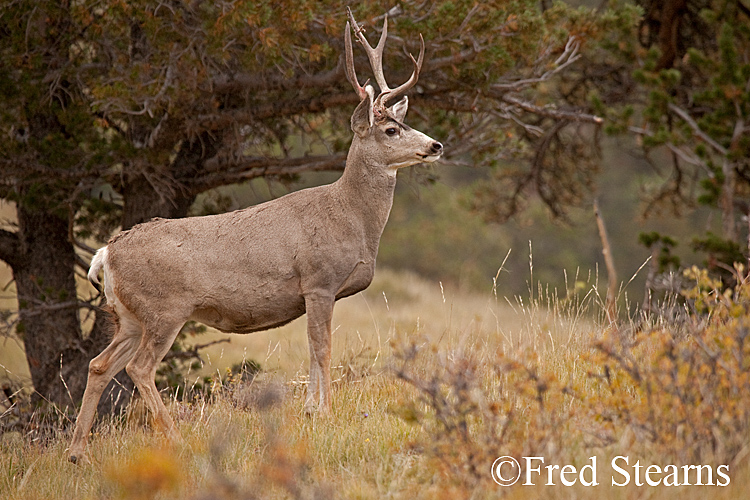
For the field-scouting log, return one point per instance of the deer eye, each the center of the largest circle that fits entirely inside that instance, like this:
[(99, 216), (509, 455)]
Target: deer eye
[(391, 131)]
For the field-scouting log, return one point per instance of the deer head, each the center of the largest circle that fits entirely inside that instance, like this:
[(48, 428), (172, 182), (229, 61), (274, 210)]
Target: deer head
[(378, 122)]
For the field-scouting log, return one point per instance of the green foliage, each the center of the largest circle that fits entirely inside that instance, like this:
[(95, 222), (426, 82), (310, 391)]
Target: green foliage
[(97, 218), (662, 246), (546, 157), (687, 113), (139, 79), (712, 187), (722, 254)]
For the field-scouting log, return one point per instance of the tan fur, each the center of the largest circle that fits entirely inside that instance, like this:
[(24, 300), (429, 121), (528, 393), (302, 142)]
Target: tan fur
[(253, 269)]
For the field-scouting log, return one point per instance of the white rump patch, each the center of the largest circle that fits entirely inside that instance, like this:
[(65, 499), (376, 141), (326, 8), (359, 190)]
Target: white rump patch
[(100, 262)]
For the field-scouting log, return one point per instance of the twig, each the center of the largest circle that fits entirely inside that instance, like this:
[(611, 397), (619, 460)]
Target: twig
[(193, 351)]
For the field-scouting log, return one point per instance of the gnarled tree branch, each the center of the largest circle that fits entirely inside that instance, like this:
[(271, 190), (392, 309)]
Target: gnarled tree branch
[(277, 109), (263, 82), (245, 169)]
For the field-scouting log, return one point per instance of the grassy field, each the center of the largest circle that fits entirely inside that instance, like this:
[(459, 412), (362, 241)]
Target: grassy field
[(430, 387)]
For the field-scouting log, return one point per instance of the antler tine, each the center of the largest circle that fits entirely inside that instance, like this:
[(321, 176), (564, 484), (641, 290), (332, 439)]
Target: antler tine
[(374, 55), (394, 94), (351, 74)]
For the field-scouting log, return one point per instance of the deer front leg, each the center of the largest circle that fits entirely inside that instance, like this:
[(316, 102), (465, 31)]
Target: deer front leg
[(313, 386), (319, 308)]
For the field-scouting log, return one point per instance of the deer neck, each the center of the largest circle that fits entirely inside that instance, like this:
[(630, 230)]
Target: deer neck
[(368, 188)]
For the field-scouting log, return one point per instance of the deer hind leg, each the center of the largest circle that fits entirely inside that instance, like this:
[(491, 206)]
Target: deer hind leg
[(319, 308), (101, 370), (154, 345)]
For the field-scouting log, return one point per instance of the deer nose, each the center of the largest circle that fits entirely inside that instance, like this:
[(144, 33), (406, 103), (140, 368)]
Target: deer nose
[(436, 147)]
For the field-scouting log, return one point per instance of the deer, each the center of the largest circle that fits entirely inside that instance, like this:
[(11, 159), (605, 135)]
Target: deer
[(260, 267)]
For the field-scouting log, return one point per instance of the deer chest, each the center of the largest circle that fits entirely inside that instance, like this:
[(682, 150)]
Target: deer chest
[(359, 279)]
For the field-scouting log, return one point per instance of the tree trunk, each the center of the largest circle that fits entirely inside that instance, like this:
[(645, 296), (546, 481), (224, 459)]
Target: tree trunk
[(142, 202), (57, 353), (44, 272), (48, 308), (669, 31)]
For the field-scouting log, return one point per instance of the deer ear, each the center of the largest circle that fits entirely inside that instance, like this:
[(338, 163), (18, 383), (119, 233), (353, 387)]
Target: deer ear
[(398, 110), (363, 116)]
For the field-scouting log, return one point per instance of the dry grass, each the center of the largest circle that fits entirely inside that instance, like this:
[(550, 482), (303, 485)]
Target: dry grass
[(431, 386)]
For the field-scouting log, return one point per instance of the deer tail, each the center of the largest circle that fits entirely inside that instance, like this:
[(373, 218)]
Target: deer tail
[(97, 263)]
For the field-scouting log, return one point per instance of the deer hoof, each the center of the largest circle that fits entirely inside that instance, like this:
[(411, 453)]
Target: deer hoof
[(78, 459)]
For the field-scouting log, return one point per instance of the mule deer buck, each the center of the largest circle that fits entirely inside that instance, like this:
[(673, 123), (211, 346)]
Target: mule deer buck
[(263, 266)]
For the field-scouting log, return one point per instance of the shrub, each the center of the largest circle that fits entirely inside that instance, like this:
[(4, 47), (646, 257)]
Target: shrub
[(669, 393), (684, 389)]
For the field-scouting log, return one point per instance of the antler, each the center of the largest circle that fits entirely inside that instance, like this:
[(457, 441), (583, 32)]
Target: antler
[(351, 74), (376, 63)]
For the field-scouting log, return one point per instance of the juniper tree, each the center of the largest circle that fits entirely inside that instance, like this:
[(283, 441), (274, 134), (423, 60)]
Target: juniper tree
[(117, 112)]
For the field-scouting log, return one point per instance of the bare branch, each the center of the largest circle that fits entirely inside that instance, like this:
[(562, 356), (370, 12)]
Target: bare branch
[(684, 155), (574, 116), (611, 304), (568, 57), (445, 100), (79, 244), (530, 129), (688, 158), (739, 127), (452, 60), (83, 264), (700, 133), (36, 307), (541, 151)]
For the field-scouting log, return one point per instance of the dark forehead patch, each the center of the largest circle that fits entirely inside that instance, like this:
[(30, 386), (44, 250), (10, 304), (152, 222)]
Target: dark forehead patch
[(390, 121)]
